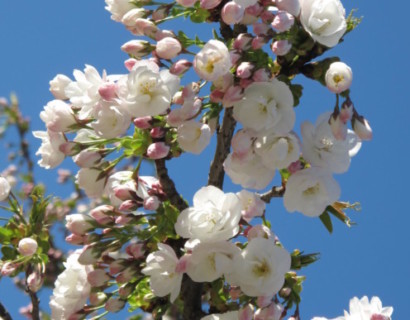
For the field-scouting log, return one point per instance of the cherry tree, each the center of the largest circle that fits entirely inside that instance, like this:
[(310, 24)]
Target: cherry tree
[(141, 244)]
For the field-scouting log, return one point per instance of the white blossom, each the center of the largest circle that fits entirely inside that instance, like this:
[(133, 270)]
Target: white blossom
[(119, 179), (50, 153), (111, 122), (321, 148), (310, 191), (4, 188), (260, 268), (83, 92), (213, 61), (193, 136), (58, 116), (277, 151), (338, 77), (266, 105), (71, 289), (210, 260), (252, 205), (324, 20), (58, 85), (118, 8), (231, 315), (213, 217), (249, 171), (89, 180), (146, 91), (161, 267)]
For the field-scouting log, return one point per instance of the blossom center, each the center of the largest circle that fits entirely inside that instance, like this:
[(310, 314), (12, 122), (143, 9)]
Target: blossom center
[(312, 190), (261, 269)]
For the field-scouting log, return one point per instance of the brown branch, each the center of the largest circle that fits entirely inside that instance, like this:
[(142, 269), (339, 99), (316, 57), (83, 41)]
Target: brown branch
[(4, 314), (223, 144), (275, 192), (191, 292)]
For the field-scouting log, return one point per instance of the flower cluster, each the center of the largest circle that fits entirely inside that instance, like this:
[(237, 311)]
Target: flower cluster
[(140, 240)]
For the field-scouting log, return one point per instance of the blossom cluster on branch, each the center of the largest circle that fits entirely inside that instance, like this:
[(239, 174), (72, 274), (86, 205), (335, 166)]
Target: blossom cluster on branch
[(142, 244)]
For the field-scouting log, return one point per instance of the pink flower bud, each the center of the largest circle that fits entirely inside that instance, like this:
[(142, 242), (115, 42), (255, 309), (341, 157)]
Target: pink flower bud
[(281, 47), (123, 220), (97, 278), (216, 96), (242, 42), (157, 150), (75, 239), (116, 267), (125, 276), (160, 13), (143, 122), (168, 48), (102, 214), (283, 21), (151, 203), (79, 223), (137, 48), (261, 75), (27, 247), (8, 268), (258, 231), (135, 250), (295, 167), (144, 27), (362, 128), (232, 95), (274, 311), (291, 6), (108, 90), (261, 29), (131, 16), (34, 281), (379, 317), (130, 63), (186, 3), (87, 158), (235, 56), (258, 42), (89, 255), (69, 148), (161, 34), (97, 298), (209, 4), (180, 67), (244, 70), (157, 132), (232, 13), (267, 17), (264, 301), (125, 290), (244, 83), (114, 304), (235, 293), (346, 111), (128, 205), (339, 129), (254, 10), (246, 313)]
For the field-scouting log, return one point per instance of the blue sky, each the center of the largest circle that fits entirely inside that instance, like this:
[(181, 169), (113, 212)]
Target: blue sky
[(42, 38)]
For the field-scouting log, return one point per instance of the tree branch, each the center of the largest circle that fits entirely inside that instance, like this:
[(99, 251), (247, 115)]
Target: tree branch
[(275, 192), (223, 144), (191, 291), (4, 314)]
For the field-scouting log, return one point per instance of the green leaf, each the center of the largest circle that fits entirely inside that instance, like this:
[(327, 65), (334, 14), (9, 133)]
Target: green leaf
[(297, 91), (352, 22), (9, 253), (327, 222), (199, 15), (5, 235)]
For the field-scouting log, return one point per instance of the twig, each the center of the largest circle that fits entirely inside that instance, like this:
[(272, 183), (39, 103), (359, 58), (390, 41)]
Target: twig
[(4, 314), (223, 144), (275, 192)]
